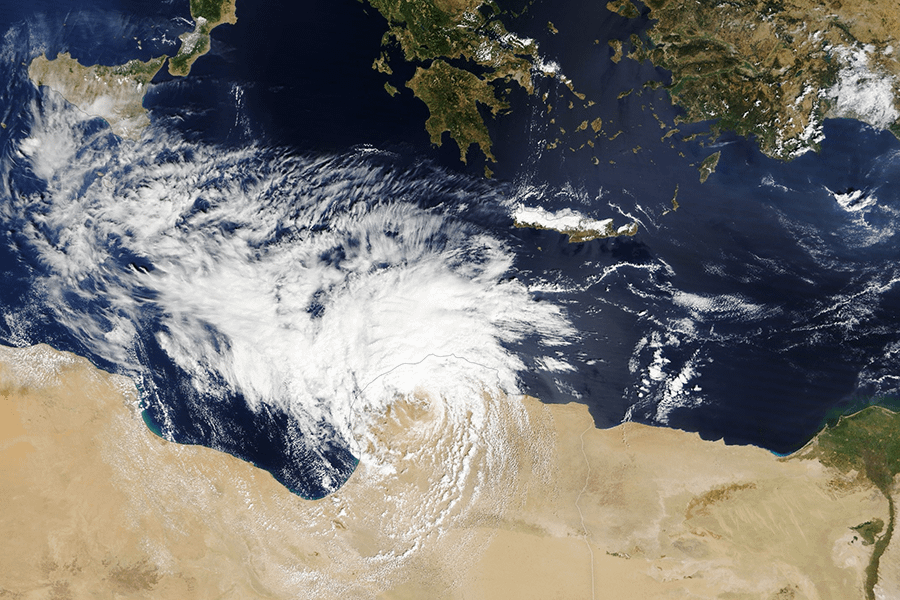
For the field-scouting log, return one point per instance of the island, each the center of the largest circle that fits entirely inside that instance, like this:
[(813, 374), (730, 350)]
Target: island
[(774, 70), (115, 93), (708, 166), (572, 223), (100, 505)]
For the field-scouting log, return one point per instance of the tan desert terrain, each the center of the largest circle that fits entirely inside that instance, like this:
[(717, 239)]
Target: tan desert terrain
[(96, 506)]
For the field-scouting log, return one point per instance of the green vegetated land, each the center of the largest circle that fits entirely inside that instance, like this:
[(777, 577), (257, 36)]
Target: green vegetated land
[(465, 57), (867, 442), (445, 87), (211, 10), (761, 68), (207, 15), (193, 46), (141, 72)]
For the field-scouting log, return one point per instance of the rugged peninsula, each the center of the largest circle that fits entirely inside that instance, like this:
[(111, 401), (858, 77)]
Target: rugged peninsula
[(486, 59), (100, 505), (774, 69), (207, 15)]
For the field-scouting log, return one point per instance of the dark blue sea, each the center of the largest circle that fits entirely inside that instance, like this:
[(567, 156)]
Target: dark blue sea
[(244, 262)]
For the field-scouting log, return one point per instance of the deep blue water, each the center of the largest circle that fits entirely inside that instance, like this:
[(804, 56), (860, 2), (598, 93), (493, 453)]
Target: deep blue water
[(751, 313)]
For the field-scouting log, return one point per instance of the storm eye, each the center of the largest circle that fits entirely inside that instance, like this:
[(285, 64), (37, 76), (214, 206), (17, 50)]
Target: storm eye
[(316, 307), (334, 256), (201, 205)]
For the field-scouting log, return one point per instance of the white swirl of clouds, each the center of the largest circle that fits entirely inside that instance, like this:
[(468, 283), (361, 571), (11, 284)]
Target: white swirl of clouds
[(327, 287)]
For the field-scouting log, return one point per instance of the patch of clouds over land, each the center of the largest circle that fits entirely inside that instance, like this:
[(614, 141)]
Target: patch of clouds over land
[(861, 93)]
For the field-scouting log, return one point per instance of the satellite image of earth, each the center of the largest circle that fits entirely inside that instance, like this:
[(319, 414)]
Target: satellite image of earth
[(413, 299)]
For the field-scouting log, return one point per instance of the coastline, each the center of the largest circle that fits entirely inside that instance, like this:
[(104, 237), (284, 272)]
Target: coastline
[(207, 15), (645, 512)]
